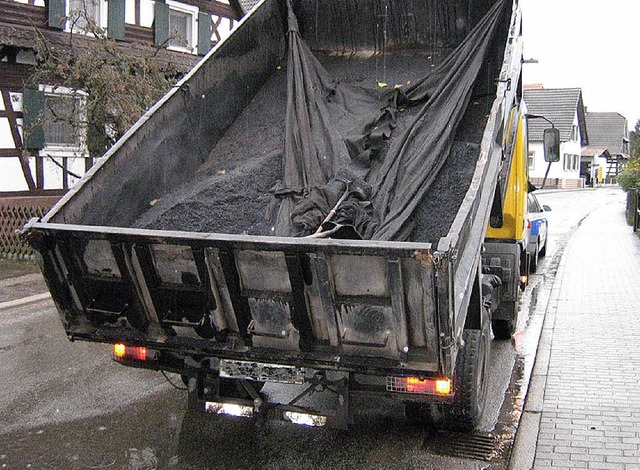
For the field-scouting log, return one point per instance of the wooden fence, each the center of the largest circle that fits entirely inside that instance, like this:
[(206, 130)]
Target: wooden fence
[(15, 211)]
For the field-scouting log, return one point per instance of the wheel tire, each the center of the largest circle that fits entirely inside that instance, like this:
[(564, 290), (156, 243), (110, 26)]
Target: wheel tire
[(543, 250), (470, 385), (533, 262), (503, 329), (471, 380)]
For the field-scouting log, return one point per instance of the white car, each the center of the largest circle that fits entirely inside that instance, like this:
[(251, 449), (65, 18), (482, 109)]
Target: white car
[(538, 225)]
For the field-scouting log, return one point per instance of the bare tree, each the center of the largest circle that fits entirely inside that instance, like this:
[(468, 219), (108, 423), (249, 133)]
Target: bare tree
[(117, 84)]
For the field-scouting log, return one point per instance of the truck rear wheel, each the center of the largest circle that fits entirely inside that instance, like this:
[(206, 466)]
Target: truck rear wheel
[(543, 250), (471, 378), (533, 262), (470, 385), (504, 328)]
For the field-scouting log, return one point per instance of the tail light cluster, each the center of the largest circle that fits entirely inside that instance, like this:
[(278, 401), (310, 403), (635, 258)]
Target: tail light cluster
[(424, 386), (124, 353)]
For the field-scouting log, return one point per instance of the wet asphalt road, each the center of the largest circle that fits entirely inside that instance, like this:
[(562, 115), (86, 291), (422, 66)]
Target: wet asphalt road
[(68, 405)]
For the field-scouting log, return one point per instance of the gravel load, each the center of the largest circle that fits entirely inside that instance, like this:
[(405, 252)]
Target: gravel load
[(238, 189)]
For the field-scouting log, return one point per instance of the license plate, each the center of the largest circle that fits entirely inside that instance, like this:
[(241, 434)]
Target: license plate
[(261, 372)]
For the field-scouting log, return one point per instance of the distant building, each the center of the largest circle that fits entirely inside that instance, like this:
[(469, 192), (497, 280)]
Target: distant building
[(564, 108), (594, 164), (608, 131)]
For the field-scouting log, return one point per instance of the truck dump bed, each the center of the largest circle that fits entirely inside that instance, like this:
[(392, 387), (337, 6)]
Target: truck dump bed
[(176, 238)]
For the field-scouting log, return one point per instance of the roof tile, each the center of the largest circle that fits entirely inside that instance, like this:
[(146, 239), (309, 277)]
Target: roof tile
[(559, 105), (608, 130)]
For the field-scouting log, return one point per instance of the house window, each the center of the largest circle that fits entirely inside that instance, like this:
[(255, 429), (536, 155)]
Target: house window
[(574, 133), (64, 119), (570, 162), (60, 128), (85, 15), (54, 132), (182, 26), (532, 160)]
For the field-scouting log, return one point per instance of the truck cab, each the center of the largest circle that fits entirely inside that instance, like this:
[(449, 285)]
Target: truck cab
[(505, 246)]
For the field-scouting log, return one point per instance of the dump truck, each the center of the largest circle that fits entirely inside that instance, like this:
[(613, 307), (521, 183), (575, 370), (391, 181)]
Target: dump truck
[(331, 200)]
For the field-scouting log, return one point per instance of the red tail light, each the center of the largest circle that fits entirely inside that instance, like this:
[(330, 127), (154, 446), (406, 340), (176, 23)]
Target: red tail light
[(425, 386), (122, 352)]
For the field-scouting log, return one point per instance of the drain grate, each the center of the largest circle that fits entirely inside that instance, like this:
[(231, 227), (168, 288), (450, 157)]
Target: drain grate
[(468, 446)]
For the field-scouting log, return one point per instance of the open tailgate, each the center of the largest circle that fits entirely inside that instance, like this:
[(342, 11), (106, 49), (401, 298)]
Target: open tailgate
[(333, 303)]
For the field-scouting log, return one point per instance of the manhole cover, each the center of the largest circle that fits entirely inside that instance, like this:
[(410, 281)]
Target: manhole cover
[(469, 446)]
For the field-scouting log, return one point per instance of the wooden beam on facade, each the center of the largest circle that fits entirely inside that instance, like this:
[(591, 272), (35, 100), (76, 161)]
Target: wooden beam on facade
[(14, 76), (217, 8), (9, 153), (13, 116)]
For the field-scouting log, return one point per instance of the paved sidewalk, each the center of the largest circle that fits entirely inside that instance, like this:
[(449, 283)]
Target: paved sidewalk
[(583, 405)]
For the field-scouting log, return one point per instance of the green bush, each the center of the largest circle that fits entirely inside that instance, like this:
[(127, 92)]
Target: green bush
[(629, 177)]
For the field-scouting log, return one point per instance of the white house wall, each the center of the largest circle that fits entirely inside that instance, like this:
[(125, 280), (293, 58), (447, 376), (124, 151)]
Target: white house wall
[(569, 178), (11, 175), (5, 134), (600, 162), (53, 172)]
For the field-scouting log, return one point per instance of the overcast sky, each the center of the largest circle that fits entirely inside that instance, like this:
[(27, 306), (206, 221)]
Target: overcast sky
[(586, 44)]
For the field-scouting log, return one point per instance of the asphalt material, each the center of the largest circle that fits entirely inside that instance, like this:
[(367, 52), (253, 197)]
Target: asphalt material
[(583, 405), (18, 289), (243, 169)]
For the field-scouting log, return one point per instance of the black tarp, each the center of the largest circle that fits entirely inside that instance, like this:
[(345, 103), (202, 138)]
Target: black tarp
[(346, 142), (320, 122)]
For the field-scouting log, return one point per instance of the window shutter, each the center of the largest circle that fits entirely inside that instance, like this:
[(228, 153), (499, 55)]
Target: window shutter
[(34, 102), (57, 13), (161, 20), (115, 19), (204, 33)]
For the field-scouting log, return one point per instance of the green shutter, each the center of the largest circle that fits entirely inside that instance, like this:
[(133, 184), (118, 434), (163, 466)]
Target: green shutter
[(161, 20), (57, 13), (34, 102), (204, 33), (115, 19)]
